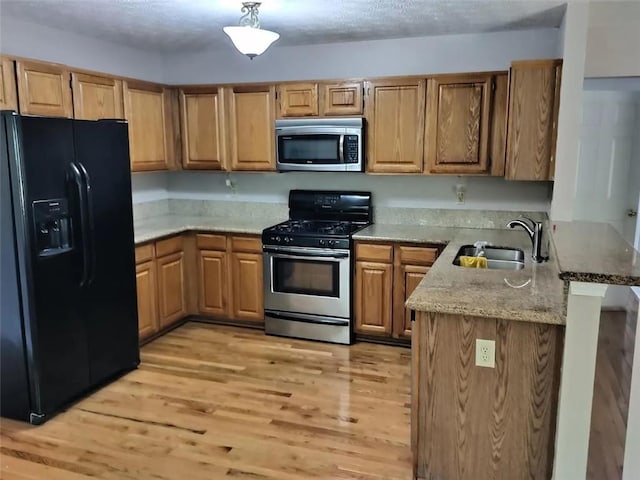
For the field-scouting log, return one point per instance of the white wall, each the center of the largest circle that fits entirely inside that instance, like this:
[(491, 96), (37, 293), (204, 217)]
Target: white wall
[(613, 39), (388, 190), (575, 33), (405, 56), (148, 187), (29, 40)]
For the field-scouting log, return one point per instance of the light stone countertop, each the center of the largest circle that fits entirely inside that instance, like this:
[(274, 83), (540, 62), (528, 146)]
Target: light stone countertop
[(406, 233), (595, 253), (533, 294), (164, 225)]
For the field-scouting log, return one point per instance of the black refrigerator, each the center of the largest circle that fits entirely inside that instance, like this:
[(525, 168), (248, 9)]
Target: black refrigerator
[(68, 308)]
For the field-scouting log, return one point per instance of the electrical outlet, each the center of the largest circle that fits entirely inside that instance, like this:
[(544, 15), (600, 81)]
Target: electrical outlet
[(485, 353), (460, 198)]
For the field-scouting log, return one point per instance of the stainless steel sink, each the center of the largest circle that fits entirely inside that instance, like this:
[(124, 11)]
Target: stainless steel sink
[(500, 258)]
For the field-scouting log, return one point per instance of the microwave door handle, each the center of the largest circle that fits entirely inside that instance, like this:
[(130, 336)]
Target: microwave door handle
[(342, 149)]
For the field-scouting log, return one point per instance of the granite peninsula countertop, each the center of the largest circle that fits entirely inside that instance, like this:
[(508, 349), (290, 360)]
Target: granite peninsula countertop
[(165, 225), (533, 294), (380, 232), (595, 253)]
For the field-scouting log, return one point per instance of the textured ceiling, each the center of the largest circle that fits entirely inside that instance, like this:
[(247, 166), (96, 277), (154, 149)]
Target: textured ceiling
[(189, 25)]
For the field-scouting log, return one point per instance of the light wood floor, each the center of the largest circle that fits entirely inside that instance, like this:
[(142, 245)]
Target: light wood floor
[(212, 402), (611, 395)]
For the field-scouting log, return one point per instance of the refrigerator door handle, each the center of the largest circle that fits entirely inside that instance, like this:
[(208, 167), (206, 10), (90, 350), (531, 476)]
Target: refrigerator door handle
[(90, 221), (77, 178)]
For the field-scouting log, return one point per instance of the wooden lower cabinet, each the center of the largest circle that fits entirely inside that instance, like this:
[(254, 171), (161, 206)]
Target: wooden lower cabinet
[(230, 277), (161, 285), (474, 423), (147, 299), (386, 275), (171, 293)]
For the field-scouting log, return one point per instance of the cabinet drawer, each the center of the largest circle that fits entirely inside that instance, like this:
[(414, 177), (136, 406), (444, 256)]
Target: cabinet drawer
[(246, 244), (144, 253), (211, 242), (168, 246), (374, 252), (416, 255)]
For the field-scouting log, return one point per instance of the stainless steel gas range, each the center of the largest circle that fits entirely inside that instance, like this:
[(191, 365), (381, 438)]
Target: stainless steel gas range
[(308, 265)]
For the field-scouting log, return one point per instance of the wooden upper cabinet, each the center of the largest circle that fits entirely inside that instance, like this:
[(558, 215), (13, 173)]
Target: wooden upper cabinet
[(8, 91), (498, 133), (395, 115), (96, 97), (44, 89), (344, 98), (298, 100), (251, 124), (457, 124), (532, 126), (147, 107), (201, 125)]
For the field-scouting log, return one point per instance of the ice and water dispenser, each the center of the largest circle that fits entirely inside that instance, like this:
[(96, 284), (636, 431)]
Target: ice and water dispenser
[(53, 226)]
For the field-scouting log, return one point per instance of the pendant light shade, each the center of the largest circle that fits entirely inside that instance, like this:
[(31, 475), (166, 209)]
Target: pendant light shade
[(248, 37)]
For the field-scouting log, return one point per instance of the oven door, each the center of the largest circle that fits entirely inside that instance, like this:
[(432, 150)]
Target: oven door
[(316, 149), (314, 281)]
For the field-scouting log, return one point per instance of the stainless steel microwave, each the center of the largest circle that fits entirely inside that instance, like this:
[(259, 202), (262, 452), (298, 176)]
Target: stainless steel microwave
[(320, 144)]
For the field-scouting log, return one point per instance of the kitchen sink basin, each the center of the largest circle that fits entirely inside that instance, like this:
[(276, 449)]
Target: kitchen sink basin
[(499, 258)]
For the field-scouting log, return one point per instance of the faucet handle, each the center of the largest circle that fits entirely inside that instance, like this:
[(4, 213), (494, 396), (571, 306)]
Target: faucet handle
[(534, 223)]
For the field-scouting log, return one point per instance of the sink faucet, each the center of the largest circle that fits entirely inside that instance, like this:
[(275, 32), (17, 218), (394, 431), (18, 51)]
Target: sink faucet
[(534, 230)]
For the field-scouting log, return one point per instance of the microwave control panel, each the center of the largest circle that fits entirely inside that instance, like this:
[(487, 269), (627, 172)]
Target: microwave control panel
[(351, 149)]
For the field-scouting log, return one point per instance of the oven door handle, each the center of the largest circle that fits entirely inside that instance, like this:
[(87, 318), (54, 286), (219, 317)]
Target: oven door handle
[(302, 253), (322, 321)]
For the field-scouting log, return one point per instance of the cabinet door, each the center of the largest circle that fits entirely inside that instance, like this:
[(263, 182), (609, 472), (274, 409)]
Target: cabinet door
[(147, 108), (407, 278), (212, 284), (395, 116), (373, 298), (498, 134), (246, 281), (201, 124), (533, 115), (457, 124), (341, 98), (251, 122), (147, 300), (298, 100), (171, 293), (8, 94), (96, 97), (44, 89)]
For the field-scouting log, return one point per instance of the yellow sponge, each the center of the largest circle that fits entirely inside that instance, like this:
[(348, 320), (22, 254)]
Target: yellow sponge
[(473, 262)]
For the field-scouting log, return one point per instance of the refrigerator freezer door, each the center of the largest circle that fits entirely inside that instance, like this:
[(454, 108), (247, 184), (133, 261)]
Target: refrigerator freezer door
[(14, 383), (109, 302), (40, 154)]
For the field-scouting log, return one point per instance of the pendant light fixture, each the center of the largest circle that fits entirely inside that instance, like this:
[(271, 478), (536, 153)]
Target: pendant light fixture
[(248, 37)]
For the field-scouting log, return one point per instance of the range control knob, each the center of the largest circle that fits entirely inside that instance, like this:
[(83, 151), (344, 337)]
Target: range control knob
[(278, 239), (332, 243), (287, 239), (322, 242)]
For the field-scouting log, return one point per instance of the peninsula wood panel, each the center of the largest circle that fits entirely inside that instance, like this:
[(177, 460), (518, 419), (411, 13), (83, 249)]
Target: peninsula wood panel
[(472, 423), (498, 133), (146, 281), (532, 119), (171, 293), (44, 89), (457, 124), (298, 100), (247, 281), (201, 122), (213, 295), (96, 97), (373, 302), (344, 98), (8, 90), (147, 107), (251, 124), (395, 113)]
